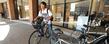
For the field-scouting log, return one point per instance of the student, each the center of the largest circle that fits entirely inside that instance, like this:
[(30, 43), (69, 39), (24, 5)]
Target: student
[(92, 16), (46, 14)]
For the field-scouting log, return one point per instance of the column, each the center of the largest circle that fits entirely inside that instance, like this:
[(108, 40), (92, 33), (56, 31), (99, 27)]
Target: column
[(1, 9), (68, 5), (33, 9), (12, 9), (101, 6), (94, 5), (90, 7)]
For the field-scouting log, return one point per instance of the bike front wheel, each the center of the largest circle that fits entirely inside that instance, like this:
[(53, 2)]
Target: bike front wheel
[(34, 39)]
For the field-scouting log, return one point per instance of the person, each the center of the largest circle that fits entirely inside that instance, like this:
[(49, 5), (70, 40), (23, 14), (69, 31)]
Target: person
[(46, 14), (105, 20), (92, 16)]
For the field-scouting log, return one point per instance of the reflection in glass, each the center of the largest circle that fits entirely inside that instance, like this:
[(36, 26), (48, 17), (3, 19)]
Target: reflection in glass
[(23, 9), (58, 11)]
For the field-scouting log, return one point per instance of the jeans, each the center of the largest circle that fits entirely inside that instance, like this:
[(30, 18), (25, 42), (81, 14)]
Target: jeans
[(49, 27), (50, 31), (52, 36)]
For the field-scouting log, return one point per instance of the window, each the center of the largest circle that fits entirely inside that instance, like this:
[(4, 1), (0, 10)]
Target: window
[(56, 2), (106, 2), (58, 13), (73, 7)]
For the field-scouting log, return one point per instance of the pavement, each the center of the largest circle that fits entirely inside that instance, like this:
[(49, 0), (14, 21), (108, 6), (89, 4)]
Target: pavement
[(18, 32), (14, 32)]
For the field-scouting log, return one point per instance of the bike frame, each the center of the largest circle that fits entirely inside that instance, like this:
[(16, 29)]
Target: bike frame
[(102, 37), (61, 40)]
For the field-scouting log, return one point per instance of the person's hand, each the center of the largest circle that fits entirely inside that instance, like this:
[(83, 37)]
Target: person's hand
[(34, 20)]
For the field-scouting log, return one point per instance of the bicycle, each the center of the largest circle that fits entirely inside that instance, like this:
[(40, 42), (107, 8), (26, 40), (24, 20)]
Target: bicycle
[(59, 38), (63, 41), (47, 35), (34, 38), (103, 39)]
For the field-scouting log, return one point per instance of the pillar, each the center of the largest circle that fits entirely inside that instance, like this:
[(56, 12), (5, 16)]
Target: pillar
[(33, 9), (12, 9), (1, 9), (94, 5), (68, 9), (101, 6)]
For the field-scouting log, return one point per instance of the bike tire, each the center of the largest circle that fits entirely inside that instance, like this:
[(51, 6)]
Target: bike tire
[(34, 39), (52, 40), (75, 41)]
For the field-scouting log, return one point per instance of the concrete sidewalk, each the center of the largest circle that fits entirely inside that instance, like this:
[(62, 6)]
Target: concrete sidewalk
[(67, 32), (19, 32)]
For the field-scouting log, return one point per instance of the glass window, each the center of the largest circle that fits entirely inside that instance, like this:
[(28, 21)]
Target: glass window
[(70, 1), (56, 2), (23, 9), (57, 8), (58, 13), (73, 1), (75, 9), (106, 2), (43, 0)]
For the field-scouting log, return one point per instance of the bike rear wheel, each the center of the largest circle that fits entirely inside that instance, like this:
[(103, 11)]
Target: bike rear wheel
[(64, 40), (53, 40)]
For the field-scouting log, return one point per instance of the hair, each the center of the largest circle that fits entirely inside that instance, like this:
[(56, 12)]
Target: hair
[(44, 3)]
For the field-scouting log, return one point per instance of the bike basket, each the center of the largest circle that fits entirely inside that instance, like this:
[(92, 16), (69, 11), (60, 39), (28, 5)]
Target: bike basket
[(38, 25)]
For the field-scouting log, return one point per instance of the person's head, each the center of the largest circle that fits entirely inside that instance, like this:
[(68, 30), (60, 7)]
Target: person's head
[(43, 5)]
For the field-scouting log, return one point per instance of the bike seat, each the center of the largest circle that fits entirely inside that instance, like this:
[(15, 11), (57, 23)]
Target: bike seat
[(58, 31), (89, 26), (86, 26)]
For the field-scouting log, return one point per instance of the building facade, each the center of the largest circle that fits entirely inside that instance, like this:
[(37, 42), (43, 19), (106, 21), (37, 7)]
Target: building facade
[(65, 12)]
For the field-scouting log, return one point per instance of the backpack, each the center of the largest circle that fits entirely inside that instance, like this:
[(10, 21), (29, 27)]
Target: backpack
[(51, 16)]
